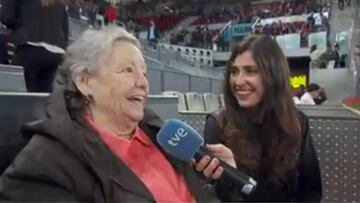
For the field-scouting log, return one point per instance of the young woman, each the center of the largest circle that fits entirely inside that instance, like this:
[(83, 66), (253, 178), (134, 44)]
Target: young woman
[(264, 134)]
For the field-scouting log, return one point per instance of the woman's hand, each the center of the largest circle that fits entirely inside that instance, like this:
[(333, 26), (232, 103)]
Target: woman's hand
[(210, 167)]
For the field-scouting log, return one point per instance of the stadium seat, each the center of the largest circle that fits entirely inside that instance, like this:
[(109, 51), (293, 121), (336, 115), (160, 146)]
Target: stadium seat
[(182, 103), (17, 109), (221, 99), (195, 102), (12, 78), (211, 102)]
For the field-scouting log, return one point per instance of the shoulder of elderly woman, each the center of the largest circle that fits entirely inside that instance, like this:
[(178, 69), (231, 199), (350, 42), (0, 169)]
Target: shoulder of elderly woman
[(40, 173), (151, 118)]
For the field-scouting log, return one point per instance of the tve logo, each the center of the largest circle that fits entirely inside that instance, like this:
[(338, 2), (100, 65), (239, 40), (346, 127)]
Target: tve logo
[(176, 138)]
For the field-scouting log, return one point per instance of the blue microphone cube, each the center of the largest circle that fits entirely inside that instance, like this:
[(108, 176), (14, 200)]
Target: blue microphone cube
[(179, 139)]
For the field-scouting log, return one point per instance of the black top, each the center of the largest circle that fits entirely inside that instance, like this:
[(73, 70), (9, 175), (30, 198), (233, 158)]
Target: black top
[(66, 161), (32, 22), (303, 184)]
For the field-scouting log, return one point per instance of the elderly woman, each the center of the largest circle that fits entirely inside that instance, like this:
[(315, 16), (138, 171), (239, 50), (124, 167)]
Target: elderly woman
[(97, 143)]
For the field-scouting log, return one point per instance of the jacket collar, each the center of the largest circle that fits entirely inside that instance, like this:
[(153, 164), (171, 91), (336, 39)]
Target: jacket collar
[(106, 165)]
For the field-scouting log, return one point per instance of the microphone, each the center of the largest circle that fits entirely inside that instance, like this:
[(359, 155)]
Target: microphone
[(183, 142)]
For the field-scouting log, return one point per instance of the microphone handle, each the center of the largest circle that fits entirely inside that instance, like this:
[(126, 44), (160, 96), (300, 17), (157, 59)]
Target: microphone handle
[(247, 184)]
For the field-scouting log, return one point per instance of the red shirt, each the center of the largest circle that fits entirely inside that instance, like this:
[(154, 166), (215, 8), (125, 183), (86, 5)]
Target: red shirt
[(149, 164)]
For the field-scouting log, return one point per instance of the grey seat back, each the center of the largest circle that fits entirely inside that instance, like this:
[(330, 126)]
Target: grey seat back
[(17, 109), (195, 102), (12, 78), (211, 102), (182, 106)]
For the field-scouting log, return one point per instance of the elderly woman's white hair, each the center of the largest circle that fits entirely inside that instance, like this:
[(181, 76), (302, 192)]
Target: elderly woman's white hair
[(86, 55)]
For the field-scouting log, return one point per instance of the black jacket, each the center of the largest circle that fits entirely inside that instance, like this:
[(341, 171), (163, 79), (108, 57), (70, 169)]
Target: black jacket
[(29, 21), (303, 183), (156, 33), (4, 57), (65, 161)]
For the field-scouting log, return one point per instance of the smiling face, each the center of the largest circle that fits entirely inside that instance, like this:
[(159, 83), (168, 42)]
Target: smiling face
[(120, 86), (246, 81)]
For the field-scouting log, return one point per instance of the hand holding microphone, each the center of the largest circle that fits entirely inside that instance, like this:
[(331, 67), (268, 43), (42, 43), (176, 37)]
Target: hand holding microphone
[(210, 165), (184, 143)]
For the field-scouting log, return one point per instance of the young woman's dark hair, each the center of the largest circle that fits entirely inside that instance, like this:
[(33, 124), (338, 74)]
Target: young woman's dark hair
[(313, 87), (273, 140), (46, 3)]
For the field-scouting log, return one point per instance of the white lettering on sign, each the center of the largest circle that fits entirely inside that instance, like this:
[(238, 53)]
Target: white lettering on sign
[(176, 138)]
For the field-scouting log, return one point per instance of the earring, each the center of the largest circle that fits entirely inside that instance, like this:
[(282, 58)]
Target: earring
[(88, 99)]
